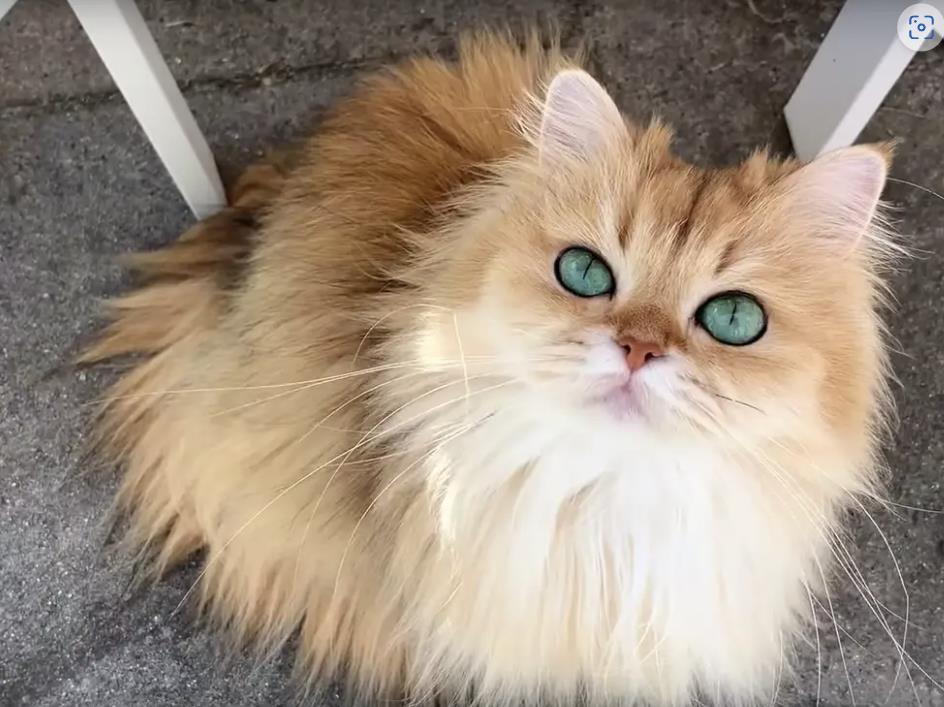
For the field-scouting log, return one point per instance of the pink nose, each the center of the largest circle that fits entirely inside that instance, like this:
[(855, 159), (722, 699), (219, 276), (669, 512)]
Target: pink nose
[(639, 353)]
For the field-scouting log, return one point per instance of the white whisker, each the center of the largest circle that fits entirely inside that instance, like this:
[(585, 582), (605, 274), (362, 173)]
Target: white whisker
[(916, 186), (438, 445), (465, 368), (819, 650), (362, 442), (386, 316)]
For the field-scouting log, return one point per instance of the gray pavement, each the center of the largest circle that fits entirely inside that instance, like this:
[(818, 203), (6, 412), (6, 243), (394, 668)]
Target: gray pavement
[(79, 185)]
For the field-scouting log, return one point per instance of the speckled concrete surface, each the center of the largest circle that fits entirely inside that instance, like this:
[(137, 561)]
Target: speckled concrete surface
[(80, 185)]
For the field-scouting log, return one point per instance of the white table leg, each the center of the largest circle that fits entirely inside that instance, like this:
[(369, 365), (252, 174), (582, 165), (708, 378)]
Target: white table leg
[(853, 70), (121, 37)]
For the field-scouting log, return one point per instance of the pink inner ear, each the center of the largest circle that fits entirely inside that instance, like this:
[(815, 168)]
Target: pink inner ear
[(579, 117), (841, 189)]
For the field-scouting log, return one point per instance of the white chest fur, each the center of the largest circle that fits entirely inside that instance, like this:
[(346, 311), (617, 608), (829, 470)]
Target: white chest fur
[(577, 552)]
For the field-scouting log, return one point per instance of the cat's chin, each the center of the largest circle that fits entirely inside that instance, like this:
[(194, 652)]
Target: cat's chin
[(624, 400)]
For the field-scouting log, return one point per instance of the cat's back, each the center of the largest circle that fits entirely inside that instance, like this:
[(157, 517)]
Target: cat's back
[(410, 136)]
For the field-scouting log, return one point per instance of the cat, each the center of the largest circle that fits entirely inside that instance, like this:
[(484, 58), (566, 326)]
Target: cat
[(484, 392)]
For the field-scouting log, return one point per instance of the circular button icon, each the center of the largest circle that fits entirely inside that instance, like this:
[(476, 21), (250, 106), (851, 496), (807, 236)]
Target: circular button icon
[(920, 27)]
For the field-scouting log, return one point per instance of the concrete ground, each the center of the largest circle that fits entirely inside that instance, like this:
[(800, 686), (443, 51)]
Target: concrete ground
[(79, 185)]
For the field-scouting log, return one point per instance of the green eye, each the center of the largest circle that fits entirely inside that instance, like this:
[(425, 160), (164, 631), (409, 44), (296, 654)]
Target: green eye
[(584, 273), (733, 318)]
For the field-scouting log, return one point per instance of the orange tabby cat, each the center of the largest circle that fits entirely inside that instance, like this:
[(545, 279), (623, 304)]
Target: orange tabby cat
[(487, 393)]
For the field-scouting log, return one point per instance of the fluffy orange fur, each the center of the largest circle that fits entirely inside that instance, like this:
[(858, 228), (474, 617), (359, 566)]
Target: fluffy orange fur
[(363, 393)]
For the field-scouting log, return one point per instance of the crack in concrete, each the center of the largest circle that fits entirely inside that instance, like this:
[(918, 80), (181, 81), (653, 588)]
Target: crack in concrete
[(271, 75)]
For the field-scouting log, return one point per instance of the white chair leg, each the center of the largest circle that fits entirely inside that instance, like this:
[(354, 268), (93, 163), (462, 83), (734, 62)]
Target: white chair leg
[(5, 6), (121, 38), (853, 70)]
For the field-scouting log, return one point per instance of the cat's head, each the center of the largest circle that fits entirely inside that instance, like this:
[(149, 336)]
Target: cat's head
[(617, 281)]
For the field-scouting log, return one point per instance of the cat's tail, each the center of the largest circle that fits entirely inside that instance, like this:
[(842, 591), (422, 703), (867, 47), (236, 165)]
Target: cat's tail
[(183, 285), (183, 291)]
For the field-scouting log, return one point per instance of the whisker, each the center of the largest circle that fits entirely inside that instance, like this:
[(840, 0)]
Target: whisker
[(317, 425), (711, 391), (871, 601), (363, 441), (829, 537), (311, 517), (819, 650), (430, 365), (845, 631), (904, 588), (424, 364), (378, 424), (832, 611), (776, 695), (439, 445), (887, 502), (465, 368), (916, 186), (847, 563), (373, 326), (309, 387), (269, 386), (739, 402), (261, 401)]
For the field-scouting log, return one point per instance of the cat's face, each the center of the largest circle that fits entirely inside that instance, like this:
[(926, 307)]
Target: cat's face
[(618, 281)]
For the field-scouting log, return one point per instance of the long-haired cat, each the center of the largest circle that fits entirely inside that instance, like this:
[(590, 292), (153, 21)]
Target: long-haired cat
[(484, 392)]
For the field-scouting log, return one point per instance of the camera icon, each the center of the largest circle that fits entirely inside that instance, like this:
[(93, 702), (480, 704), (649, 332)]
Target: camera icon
[(921, 27)]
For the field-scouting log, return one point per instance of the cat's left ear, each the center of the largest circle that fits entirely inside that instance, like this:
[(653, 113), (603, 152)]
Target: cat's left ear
[(839, 191), (579, 120)]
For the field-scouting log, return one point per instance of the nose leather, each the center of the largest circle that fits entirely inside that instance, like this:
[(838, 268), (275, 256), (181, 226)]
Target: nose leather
[(639, 353)]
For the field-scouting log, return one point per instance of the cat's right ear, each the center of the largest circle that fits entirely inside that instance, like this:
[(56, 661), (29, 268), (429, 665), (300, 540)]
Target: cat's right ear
[(839, 191), (579, 120)]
